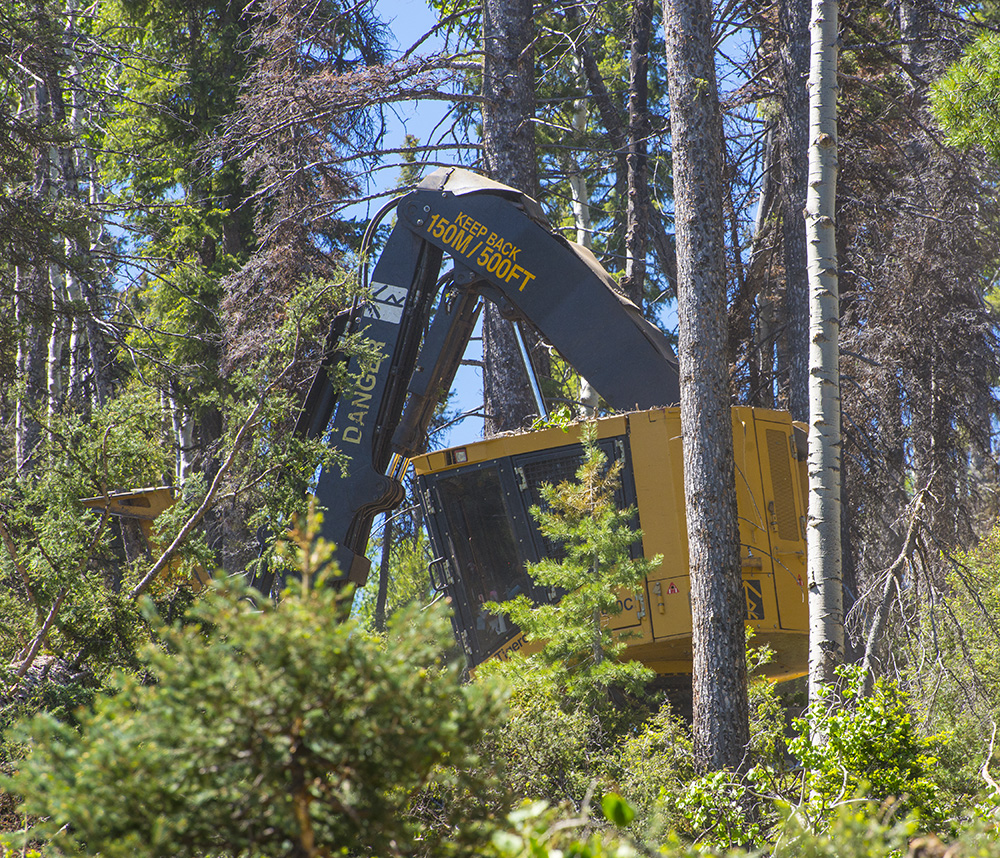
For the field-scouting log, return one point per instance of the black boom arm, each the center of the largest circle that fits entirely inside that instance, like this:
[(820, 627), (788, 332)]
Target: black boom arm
[(504, 251)]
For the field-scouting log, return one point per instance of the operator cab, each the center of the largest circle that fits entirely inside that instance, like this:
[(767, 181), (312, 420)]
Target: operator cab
[(476, 500)]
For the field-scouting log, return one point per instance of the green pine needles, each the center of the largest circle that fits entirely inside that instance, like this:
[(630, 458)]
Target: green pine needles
[(596, 538)]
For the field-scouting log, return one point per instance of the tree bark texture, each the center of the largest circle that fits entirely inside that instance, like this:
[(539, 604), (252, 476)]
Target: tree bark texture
[(826, 600), (509, 153), (33, 309), (721, 730), (793, 129), (637, 203)]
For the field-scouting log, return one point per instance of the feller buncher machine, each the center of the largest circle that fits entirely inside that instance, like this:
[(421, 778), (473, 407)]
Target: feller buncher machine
[(499, 247)]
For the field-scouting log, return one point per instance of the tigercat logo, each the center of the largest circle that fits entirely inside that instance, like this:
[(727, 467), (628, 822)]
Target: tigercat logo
[(753, 590)]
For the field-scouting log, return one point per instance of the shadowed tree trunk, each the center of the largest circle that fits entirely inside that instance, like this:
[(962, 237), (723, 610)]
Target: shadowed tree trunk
[(793, 130), (637, 204), (509, 152)]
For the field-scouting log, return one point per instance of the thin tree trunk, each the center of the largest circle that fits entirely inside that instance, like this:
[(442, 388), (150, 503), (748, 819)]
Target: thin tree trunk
[(611, 117), (826, 611), (57, 338), (793, 129), (721, 724), (760, 348), (33, 302), (587, 396), (99, 354), (636, 210), (383, 575)]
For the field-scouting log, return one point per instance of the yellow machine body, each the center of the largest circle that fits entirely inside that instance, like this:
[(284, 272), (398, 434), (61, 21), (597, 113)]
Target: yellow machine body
[(143, 506), (771, 492)]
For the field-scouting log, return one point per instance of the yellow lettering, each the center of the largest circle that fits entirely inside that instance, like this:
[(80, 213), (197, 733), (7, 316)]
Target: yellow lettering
[(352, 434), (528, 277), (368, 382)]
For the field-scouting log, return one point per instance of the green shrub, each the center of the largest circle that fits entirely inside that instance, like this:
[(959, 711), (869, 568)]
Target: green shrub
[(271, 730), (867, 744)]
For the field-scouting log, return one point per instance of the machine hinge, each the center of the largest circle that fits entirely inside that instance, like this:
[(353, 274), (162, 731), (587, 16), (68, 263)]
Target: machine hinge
[(465, 643), (658, 590), (522, 482), (429, 503), (641, 599)]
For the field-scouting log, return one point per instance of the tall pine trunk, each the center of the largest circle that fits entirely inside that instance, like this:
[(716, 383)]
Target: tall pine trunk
[(826, 599), (509, 151), (721, 725)]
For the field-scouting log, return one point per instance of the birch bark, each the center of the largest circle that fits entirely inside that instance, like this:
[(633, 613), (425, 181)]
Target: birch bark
[(826, 612)]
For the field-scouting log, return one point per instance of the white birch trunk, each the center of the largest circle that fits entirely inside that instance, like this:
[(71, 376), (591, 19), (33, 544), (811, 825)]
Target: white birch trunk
[(183, 426), (826, 612)]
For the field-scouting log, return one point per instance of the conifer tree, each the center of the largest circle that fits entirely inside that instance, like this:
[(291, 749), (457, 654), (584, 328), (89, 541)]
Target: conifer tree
[(596, 540)]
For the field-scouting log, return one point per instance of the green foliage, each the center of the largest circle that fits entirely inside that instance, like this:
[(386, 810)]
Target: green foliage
[(596, 539), (719, 809), (559, 417), (408, 580), (867, 744), (857, 828), (655, 764), (964, 677), (966, 100), (54, 545), (538, 830), (269, 729), (548, 746)]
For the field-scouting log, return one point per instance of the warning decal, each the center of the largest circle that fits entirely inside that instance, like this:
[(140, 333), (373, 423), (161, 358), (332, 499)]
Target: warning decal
[(754, 592)]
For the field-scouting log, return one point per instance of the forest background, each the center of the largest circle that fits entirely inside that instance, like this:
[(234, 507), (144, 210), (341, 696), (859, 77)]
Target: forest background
[(178, 185)]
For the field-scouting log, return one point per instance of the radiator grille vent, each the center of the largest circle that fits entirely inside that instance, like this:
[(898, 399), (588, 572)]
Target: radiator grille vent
[(778, 452)]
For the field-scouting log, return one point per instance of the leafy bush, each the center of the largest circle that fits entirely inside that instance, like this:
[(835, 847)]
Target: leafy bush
[(869, 744), (547, 747)]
